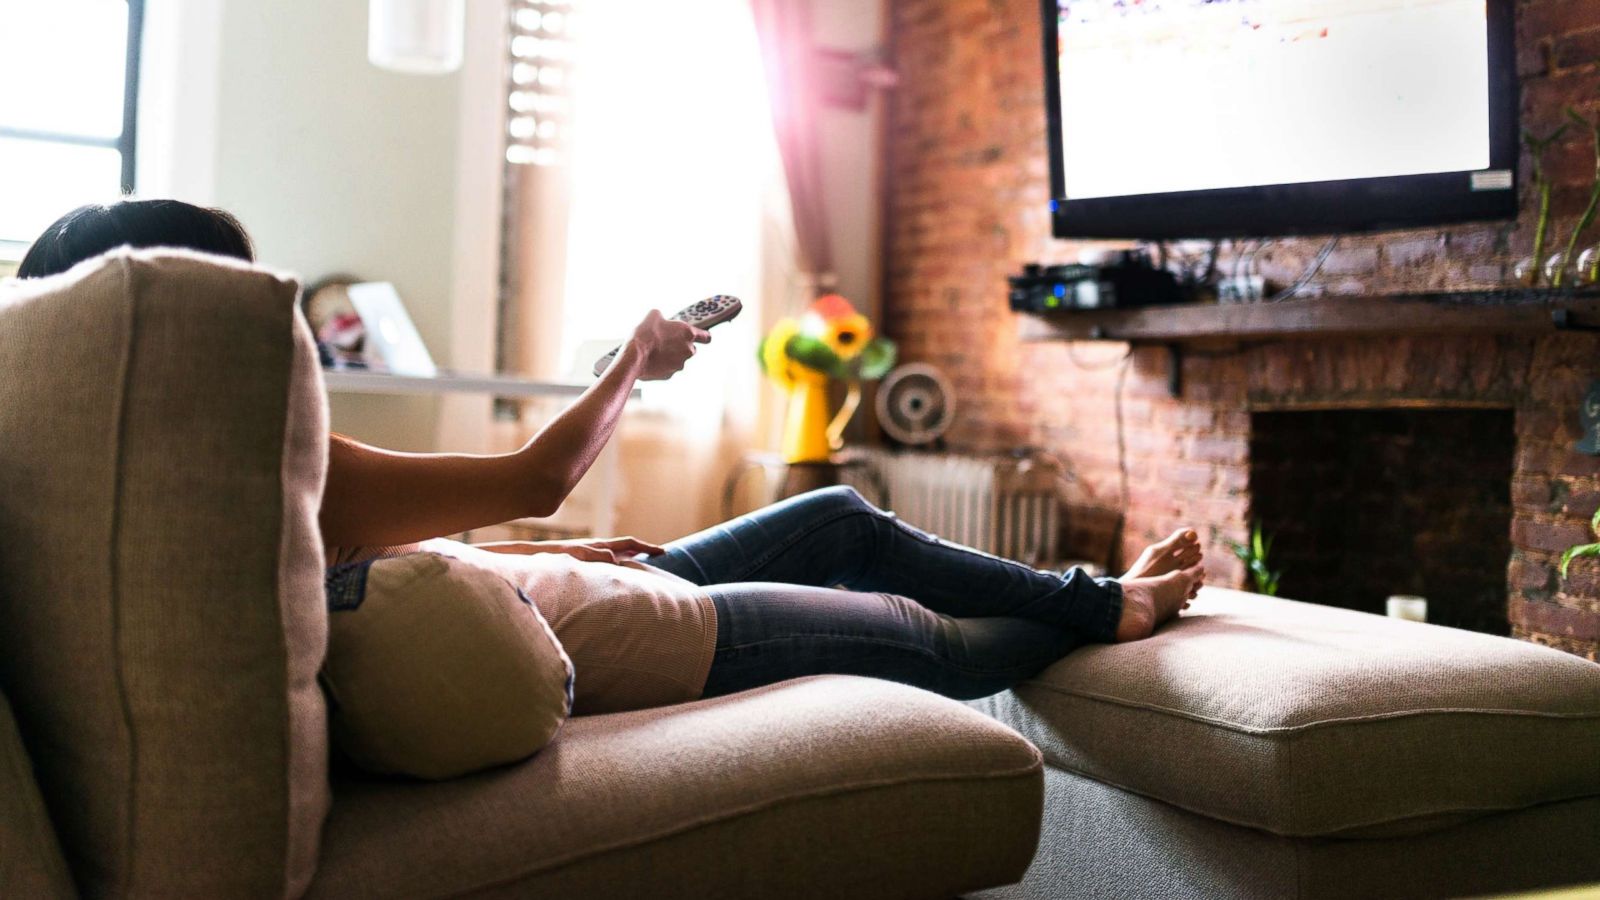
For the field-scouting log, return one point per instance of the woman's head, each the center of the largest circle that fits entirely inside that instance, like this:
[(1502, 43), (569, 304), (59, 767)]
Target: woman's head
[(89, 231)]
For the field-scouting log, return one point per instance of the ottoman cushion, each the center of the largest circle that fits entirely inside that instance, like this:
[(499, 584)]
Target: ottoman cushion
[(1308, 720)]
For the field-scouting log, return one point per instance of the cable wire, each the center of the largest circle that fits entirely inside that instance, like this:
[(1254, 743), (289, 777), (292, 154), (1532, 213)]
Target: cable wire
[(1114, 553), (1308, 274), (1072, 354)]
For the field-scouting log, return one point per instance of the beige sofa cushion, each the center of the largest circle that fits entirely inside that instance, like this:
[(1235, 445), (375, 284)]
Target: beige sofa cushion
[(30, 858), (1307, 720), (165, 440), (437, 667), (832, 787)]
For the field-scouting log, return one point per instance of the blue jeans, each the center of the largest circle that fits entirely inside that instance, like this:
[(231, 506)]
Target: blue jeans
[(828, 583)]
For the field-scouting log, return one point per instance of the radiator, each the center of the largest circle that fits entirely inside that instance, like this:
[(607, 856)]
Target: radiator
[(1000, 505)]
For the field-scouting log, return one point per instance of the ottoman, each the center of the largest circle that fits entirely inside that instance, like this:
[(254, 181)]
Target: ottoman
[(1260, 747)]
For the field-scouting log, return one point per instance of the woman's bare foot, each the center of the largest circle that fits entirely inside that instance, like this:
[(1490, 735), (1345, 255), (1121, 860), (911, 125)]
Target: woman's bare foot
[(1148, 602), (1180, 550)]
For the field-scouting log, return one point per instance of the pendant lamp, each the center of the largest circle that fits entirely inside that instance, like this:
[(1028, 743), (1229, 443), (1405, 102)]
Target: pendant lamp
[(418, 36)]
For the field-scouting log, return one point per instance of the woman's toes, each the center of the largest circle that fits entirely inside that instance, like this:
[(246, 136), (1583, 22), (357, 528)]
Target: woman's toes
[(1186, 549), (1179, 550), (1177, 543)]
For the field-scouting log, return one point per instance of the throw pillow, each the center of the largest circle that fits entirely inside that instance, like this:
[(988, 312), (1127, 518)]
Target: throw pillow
[(437, 668)]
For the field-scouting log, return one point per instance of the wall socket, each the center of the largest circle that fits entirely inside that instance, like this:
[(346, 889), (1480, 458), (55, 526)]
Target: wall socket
[(1243, 289)]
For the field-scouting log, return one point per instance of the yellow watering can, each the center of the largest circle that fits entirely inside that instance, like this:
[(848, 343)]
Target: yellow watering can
[(829, 341)]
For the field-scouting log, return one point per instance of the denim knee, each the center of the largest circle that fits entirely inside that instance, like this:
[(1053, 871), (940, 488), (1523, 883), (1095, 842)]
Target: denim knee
[(851, 523), (841, 497)]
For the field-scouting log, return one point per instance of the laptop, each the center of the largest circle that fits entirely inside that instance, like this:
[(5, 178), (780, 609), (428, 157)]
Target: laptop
[(391, 337)]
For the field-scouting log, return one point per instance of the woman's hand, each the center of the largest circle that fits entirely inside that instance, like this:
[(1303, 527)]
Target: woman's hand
[(664, 345), (606, 550)]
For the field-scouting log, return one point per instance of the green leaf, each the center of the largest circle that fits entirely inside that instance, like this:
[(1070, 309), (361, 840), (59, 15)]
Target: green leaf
[(1575, 552), (813, 353), (1264, 579), (1270, 588), (1594, 523), (1254, 555), (875, 359), (1538, 144)]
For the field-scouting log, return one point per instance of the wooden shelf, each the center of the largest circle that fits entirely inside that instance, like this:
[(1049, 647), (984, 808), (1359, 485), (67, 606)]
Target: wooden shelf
[(1476, 312)]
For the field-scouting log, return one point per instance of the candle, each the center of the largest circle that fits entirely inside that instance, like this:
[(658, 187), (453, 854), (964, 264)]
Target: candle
[(1408, 607)]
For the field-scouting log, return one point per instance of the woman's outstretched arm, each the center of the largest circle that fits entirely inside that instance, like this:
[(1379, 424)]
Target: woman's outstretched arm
[(377, 497)]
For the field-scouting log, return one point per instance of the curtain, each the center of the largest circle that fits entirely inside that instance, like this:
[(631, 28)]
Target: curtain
[(794, 93)]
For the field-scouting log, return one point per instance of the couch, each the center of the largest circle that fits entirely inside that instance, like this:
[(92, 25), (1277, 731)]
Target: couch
[(162, 440), (1263, 748), (162, 445)]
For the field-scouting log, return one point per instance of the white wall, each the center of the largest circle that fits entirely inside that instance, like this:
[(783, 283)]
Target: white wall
[(269, 109), (177, 141), (338, 166)]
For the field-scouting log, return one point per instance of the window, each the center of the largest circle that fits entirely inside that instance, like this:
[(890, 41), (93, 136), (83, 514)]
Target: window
[(641, 167), (68, 84), (541, 75), (642, 171)]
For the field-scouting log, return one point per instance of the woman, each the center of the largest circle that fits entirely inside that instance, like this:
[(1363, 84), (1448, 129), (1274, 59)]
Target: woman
[(820, 583)]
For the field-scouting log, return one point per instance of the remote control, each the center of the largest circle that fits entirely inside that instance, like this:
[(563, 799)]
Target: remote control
[(708, 312)]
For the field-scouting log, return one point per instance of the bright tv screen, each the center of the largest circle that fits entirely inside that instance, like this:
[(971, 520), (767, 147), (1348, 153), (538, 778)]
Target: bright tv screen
[(1196, 118)]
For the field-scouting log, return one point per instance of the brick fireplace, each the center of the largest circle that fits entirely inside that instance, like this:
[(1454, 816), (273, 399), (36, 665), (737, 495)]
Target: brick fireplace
[(967, 185), (1367, 503)]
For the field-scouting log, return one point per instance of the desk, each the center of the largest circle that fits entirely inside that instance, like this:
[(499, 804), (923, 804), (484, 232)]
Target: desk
[(364, 381)]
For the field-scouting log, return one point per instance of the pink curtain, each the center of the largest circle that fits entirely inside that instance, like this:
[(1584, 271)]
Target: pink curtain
[(794, 90)]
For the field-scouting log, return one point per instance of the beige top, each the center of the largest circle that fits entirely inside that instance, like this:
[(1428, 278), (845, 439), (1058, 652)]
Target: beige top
[(637, 636)]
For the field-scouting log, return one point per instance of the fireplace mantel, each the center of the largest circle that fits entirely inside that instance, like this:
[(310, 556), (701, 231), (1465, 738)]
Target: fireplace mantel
[(1462, 312)]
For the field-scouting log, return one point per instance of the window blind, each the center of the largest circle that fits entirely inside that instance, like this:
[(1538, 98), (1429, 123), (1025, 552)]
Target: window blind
[(539, 88)]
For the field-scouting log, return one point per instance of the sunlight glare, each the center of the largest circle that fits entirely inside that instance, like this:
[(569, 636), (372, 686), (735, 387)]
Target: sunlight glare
[(672, 158), (61, 66), (39, 182)]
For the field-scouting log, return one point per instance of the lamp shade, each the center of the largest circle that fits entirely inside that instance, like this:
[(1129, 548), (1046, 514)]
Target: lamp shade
[(420, 36)]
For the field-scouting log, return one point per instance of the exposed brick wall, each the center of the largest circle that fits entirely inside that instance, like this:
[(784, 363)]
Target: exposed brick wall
[(967, 206)]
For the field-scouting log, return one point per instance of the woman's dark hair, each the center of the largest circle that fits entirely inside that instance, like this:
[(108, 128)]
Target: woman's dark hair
[(89, 231)]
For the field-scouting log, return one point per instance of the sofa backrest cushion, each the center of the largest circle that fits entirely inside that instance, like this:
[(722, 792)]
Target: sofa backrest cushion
[(30, 859), (161, 613)]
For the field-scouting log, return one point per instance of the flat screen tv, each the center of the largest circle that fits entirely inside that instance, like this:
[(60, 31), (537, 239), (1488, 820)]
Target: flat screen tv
[(1254, 118)]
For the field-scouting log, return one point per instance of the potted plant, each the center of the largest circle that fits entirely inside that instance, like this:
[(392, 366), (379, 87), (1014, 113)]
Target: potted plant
[(1254, 556)]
